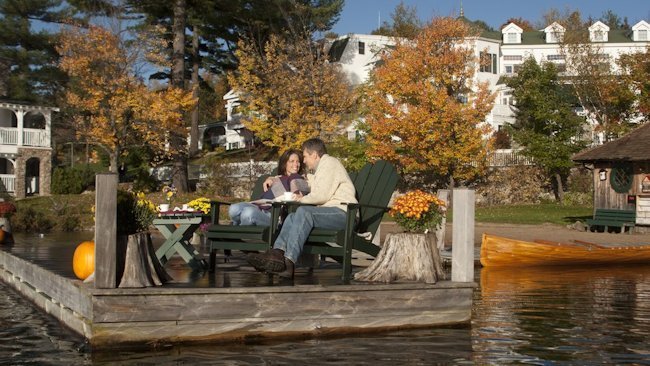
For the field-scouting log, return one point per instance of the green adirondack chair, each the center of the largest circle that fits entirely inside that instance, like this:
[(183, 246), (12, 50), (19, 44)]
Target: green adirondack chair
[(375, 183), (228, 237)]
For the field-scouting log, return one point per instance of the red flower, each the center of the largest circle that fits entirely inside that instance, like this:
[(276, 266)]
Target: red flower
[(6, 207)]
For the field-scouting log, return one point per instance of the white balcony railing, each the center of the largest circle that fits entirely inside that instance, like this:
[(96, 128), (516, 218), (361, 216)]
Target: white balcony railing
[(31, 137), (8, 136), (8, 181)]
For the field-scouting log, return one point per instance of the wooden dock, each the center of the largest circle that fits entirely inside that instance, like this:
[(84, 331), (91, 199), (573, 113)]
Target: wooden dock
[(238, 304), (174, 313)]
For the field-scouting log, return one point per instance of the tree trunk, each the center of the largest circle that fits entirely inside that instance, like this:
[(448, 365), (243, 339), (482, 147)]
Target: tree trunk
[(559, 187), (113, 160), (405, 257), (194, 122), (141, 267), (178, 139)]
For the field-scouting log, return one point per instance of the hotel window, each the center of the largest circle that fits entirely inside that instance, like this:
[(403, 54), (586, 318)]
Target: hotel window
[(362, 48), (512, 58), (511, 37), (555, 57), (508, 69), (488, 62), (642, 35)]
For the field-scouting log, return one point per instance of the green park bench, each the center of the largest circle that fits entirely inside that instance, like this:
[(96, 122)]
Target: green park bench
[(607, 218), (374, 183)]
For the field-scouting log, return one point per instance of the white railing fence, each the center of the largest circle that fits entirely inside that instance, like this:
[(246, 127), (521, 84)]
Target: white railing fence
[(8, 181)]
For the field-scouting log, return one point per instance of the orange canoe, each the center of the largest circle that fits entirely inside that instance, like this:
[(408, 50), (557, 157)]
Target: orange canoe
[(497, 251)]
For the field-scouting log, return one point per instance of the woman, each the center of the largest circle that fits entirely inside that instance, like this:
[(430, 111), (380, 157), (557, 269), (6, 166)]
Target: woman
[(289, 180)]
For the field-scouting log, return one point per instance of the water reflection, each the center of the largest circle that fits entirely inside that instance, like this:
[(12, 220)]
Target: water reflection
[(572, 315)]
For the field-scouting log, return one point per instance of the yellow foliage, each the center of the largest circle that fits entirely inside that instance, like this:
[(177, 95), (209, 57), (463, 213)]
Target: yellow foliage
[(291, 92), (112, 107), (424, 109)]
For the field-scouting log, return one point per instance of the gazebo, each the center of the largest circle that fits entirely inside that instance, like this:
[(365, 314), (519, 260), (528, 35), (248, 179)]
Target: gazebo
[(621, 173)]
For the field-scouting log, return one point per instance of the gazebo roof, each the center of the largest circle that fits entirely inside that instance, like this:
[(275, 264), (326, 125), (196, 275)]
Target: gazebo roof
[(635, 146)]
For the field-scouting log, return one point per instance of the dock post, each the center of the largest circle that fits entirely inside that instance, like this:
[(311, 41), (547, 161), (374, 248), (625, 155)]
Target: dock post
[(106, 230), (462, 250)]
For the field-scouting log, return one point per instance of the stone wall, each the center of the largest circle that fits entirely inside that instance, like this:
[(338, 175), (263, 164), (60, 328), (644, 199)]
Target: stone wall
[(45, 170)]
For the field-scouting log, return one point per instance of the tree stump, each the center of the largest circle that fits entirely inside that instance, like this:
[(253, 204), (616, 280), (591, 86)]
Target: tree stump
[(405, 257), (141, 266)]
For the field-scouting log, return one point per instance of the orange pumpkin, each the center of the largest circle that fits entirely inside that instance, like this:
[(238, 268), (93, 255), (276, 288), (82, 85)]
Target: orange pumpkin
[(83, 261)]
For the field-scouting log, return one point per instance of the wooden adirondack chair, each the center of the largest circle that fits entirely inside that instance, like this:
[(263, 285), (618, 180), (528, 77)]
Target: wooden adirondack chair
[(228, 237), (374, 184)]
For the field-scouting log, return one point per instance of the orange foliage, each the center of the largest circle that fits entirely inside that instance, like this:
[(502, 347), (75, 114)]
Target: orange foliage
[(291, 93), (112, 107), (425, 111)]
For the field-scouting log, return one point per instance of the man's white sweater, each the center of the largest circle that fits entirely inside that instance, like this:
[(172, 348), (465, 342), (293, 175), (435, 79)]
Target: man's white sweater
[(330, 184)]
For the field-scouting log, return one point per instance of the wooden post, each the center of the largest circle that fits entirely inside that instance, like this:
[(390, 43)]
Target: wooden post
[(106, 230), (462, 256)]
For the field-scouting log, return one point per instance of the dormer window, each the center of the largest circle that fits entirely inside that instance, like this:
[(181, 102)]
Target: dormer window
[(643, 35), (362, 48), (598, 32), (641, 32), (554, 33), (511, 33)]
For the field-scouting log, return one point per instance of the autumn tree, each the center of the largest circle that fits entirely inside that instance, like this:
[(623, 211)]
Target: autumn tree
[(546, 126), (635, 73), (290, 92), (522, 23), (596, 84), (425, 109), (112, 107), (404, 23)]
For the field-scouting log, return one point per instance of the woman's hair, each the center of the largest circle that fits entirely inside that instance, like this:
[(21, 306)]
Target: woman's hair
[(284, 159)]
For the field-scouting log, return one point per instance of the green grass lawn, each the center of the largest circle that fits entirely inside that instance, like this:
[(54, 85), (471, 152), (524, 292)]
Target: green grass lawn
[(528, 214), (533, 214)]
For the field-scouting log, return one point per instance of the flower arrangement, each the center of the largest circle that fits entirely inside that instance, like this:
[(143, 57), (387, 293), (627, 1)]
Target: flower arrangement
[(135, 213), (6, 208), (200, 204), (418, 211), (169, 191)]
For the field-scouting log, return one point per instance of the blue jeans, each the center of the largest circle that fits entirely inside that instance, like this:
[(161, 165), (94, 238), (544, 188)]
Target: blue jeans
[(245, 213), (298, 225)]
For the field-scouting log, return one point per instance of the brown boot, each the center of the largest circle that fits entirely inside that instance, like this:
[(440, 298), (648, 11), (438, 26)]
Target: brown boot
[(270, 261), (288, 272)]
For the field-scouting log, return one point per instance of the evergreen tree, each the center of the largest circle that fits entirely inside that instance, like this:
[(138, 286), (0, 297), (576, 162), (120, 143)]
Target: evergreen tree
[(27, 54), (546, 126)]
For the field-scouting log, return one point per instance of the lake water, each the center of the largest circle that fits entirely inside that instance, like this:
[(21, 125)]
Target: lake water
[(555, 316)]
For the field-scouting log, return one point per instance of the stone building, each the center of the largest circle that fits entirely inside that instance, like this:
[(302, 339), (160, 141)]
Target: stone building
[(25, 148)]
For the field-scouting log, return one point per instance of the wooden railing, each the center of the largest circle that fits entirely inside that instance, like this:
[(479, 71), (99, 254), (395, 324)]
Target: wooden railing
[(8, 136)]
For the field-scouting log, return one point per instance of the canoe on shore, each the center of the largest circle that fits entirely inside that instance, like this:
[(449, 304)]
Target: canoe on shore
[(497, 251)]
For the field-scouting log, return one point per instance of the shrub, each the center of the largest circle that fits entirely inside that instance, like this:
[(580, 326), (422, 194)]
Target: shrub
[(513, 185), (30, 220), (72, 180)]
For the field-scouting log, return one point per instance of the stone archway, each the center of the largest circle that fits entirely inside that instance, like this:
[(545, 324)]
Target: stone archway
[(32, 176), (33, 172)]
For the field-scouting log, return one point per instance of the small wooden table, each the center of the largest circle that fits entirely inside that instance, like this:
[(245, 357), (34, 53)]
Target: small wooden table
[(177, 238)]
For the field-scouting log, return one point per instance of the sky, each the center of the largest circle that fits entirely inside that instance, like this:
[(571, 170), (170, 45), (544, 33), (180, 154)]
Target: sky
[(362, 16)]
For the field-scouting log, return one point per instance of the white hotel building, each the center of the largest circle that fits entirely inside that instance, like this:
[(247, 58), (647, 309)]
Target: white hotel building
[(358, 53)]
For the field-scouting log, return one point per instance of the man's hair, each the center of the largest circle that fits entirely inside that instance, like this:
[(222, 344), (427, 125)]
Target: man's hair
[(315, 145), (284, 159)]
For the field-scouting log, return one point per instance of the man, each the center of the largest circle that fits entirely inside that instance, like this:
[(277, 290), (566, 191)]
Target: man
[(330, 187)]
